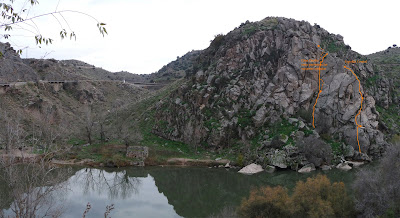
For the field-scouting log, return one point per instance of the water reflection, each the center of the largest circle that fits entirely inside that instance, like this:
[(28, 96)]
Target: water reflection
[(133, 193), (168, 192), (201, 192), (116, 184), (31, 190)]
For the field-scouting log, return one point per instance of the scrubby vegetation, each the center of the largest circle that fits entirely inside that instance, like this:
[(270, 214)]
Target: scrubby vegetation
[(317, 197), (375, 195), (266, 202), (377, 190), (333, 46)]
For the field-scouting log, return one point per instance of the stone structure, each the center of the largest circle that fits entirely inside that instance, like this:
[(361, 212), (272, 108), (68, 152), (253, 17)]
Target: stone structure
[(138, 152)]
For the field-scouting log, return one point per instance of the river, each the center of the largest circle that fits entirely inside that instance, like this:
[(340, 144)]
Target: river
[(164, 191)]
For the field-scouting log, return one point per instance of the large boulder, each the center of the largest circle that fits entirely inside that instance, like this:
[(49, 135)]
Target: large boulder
[(343, 166), (278, 159), (307, 169), (251, 169)]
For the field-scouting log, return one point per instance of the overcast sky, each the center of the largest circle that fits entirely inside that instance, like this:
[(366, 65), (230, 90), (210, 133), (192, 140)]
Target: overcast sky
[(144, 35)]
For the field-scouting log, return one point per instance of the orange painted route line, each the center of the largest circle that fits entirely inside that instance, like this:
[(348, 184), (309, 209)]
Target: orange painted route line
[(359, 111), (319, 84)]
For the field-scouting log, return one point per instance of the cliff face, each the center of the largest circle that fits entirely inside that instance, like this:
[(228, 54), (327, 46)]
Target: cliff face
[(249, 85)]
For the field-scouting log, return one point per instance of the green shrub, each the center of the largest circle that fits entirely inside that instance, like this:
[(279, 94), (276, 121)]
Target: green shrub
[(244, 118), (217, 41), (250, 30), (240, 160), (212, 123)]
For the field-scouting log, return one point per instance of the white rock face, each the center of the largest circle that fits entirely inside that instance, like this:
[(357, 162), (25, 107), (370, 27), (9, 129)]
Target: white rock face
[(343, 166), (251, 169), (305, 170)]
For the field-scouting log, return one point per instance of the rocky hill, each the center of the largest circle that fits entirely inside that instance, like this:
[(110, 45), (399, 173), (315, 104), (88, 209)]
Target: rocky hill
[(248, 93), (176, 69), (51, 69), (167, 74), (62, 109), (12, 67), (385, 86)]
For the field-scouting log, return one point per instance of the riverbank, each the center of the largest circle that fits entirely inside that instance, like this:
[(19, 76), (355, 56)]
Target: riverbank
[(169, 162), (113, 155), (104, 160)]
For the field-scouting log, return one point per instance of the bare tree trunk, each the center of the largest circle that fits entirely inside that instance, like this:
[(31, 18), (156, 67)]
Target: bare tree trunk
[(89, 134), (89, 124), (12, 132), (102, 133)]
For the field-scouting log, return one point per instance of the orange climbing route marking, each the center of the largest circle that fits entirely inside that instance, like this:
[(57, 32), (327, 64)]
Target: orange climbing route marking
[(320, 83), (359, 111)]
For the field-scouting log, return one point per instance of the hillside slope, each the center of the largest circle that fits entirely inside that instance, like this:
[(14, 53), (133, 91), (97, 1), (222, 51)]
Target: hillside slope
[(385, 85), (248, 91), (61, 110)]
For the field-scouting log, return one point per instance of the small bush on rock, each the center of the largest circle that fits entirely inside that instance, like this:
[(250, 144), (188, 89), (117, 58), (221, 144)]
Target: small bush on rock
[(217, 41)]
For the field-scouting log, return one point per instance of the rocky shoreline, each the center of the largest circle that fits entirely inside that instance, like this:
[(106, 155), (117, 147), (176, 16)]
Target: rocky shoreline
[(218, 163), (25, 156)]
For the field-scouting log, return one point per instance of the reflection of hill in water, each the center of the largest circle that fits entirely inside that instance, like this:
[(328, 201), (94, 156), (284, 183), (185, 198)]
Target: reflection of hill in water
[(193, 192), (200, 192)]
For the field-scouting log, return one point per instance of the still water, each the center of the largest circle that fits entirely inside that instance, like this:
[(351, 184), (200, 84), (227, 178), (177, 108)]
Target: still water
[(165, 191)]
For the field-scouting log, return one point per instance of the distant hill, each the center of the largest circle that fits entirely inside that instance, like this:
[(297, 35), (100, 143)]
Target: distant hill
[(171, 72), (16, 69), (51, 69)]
